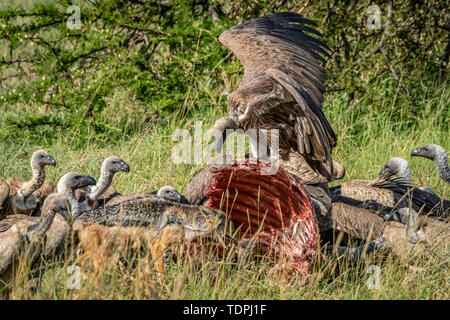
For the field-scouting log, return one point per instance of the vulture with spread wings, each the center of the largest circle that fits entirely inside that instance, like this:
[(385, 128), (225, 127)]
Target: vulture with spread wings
[(282, 88)]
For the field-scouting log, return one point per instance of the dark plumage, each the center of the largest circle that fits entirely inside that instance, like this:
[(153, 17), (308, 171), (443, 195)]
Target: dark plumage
[(282, 88), (4, 193), (393, 193), (167, 192), (364, 220)]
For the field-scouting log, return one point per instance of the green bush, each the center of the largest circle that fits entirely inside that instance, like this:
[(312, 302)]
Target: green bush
[(165, 56)]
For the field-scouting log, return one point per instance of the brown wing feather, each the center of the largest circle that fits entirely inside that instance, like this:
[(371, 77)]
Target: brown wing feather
[(279, 41), (275, 50), (195, 190), (311, 125), (43, 192), (14, 185), (119, 198), (199, 183), (296, 164), (358, 222), (4, 193), (10, 220)]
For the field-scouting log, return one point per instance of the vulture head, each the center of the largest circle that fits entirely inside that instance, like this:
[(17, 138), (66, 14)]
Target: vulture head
[(223, 127), (73, 180), (115, 164), (429, 151), (396, 167), (42, 158), (169, 193)]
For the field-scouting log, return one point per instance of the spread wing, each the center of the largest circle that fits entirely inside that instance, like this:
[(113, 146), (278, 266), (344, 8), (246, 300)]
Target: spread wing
[(275, 50)]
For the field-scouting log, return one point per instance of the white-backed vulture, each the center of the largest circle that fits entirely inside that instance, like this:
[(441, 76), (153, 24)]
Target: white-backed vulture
[(91, 197), (393, 193), (397, 167), (168, 193), (400, 167), (25, 196), (282, 88), (357, 219), (21, 234), (439, 157)]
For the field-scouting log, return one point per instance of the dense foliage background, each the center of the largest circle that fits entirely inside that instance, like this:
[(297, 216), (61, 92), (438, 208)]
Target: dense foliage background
[(162, 57)]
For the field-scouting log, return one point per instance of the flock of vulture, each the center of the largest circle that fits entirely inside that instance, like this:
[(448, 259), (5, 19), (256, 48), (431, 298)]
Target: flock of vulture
[(282, 89)]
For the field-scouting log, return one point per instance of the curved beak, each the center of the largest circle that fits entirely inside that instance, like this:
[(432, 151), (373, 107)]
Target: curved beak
[(125, 167), (89, 181), (415, 152), (51, 161), (178, 196)]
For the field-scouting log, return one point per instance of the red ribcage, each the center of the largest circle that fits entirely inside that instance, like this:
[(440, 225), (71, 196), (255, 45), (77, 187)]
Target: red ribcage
[(275, 207)]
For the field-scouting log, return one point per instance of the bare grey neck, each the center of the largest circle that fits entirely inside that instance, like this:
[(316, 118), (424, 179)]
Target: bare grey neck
[(405, 173), (441, 163), (102, 185), (75, 207), (36, 181)]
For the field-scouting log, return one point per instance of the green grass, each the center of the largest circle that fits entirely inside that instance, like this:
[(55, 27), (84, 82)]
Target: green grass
[(367, 139)]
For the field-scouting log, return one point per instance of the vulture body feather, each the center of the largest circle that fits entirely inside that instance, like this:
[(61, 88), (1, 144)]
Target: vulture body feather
[(282, 88)]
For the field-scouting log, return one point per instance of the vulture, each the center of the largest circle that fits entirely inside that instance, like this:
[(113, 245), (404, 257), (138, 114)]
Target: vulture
[(167, 192), (395, 192), (25, 196), (439, 157), (282, 89), (397, 167), (400, 167), (364, 221), (20, 232), (91, 197), (153, 222), (4, 194)]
